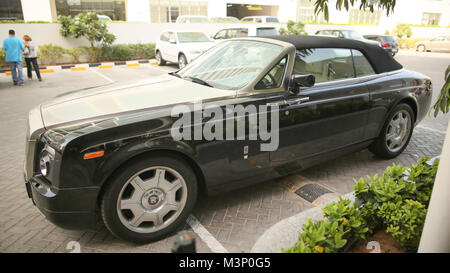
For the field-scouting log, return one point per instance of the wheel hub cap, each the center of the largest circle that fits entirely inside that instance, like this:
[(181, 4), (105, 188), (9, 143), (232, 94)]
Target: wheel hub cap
[(153, 198)]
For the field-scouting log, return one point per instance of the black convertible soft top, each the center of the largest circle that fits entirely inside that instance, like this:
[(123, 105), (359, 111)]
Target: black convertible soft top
[(380, 59)]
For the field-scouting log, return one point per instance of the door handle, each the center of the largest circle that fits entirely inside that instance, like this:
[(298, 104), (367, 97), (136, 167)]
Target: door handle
[(288, 102), (297, 101)]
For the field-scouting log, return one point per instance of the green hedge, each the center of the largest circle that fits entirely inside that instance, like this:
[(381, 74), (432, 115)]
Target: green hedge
[(123, 52), (53, 54), (2, 58), (50, 54), (397, 202)]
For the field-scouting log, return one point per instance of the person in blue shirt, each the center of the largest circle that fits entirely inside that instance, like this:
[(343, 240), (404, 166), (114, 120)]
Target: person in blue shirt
[(13, 47)]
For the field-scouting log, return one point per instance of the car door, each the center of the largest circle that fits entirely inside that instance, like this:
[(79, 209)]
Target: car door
[(162, 45), (436, 43), (172, 47), (326, 117)]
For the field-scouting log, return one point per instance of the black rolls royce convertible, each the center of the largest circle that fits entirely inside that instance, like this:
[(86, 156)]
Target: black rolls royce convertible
[(110, 151)]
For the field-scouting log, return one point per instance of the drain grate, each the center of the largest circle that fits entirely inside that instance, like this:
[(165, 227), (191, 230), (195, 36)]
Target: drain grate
[(311, 192)]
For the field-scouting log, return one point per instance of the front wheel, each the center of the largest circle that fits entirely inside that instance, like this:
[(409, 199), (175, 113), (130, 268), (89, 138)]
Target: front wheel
[(421, 48), (395, 134), (149, 198), (182, 61), (159, 58)]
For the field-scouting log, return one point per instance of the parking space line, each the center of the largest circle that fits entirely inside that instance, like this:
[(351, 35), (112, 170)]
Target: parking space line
[(103, 76), (204, 234)]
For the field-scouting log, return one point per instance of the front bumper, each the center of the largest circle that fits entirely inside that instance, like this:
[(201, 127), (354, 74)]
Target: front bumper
[(73, 208)]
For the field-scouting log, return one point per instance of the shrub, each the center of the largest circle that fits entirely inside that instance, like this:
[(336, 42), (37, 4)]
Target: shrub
[(3, 58), (396, 201), (51, 54), (402, 30), (294, 28), (77, 52), (123, 52), (408, 43)]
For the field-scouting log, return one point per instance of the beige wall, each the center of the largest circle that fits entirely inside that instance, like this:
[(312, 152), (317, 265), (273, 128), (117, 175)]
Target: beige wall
[(148, 33)]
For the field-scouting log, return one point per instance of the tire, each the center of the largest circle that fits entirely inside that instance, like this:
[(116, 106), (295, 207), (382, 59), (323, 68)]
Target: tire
[(393, 140), (182, 61), (159, 58), (421, 48), (149, 198)]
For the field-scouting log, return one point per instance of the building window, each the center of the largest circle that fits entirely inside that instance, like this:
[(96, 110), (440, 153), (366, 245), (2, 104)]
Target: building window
[(305, 13), (164, 11), (11, 10), (114, 9), (364, 17), (172, 14), (431, 19)]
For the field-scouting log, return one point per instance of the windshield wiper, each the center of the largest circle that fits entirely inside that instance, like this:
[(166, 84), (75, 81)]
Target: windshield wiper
[(199, 81), (175, 74)]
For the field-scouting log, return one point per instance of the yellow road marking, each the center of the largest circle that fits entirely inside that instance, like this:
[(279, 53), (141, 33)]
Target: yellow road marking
[(78, 68)]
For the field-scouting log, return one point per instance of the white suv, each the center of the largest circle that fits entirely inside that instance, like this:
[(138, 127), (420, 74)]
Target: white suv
[(237, 32), (261, 19), (181, 47)]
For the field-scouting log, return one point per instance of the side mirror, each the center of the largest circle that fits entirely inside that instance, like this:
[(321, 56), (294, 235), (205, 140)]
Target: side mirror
[(301, 81), (172, 41)]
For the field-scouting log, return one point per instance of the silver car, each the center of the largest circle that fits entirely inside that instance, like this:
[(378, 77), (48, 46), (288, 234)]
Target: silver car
[(441, 43)]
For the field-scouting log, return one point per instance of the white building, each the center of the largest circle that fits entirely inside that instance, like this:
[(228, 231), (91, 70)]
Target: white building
[(415, 12)]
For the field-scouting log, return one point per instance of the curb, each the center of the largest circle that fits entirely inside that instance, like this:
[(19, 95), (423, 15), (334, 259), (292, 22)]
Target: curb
[(82, 67), (284, 234)]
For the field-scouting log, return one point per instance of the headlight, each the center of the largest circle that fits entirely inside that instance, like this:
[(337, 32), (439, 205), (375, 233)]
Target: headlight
[(44, 164), (47, 155)]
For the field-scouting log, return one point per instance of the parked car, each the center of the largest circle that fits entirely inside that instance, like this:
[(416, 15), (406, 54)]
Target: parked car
[(387, 42), (191, 19), (230, 33), (181, 47), (105, 18), (261, 19), (225, 19), (110, 151), (345, 33), (441, 43)]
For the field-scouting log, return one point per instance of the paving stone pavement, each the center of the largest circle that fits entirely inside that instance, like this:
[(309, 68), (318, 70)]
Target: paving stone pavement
[(236, 219)]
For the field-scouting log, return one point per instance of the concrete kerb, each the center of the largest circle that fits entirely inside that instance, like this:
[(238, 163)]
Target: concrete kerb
[(284, 234), (81, 67)]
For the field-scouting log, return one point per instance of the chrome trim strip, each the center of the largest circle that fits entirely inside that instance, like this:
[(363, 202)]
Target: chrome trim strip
[(35, 127)]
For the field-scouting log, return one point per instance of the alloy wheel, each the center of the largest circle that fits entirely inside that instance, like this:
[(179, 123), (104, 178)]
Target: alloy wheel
[(152, 199), (398, 130)]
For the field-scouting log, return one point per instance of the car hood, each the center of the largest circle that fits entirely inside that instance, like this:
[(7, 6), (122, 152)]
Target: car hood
[(122, 98)]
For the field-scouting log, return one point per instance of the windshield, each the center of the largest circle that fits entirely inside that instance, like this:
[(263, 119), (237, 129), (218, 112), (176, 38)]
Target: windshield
[(351, 34), (389, 39), (192, 37), (232, 64), (266, 31), (272, 20)]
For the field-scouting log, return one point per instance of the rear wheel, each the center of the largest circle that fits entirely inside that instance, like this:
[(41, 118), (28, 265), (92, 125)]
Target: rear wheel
[(395, 134), (149, 199)]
